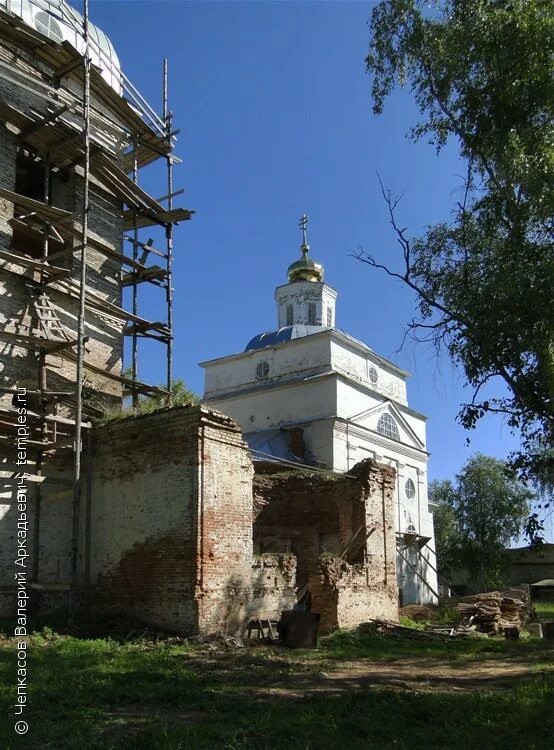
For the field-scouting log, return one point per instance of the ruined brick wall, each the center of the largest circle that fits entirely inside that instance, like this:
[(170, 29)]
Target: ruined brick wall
[(17, 313), (233, 587), (171, 531), (142, 530), (350, 594), (316, 517), (305, 513)]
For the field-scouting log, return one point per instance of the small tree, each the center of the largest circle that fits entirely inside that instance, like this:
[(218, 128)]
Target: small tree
[(447, 537), (180, 396), (478, 516)]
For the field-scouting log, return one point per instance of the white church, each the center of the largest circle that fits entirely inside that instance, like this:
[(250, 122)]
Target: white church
[(309, 377)]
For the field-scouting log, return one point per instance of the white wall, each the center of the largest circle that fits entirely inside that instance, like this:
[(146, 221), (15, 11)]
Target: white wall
[(286, 361), (356, 365), (300, 294), (267, 409)]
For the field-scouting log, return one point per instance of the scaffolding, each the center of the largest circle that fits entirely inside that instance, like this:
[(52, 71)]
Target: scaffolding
[(107, 136), (411, 541)]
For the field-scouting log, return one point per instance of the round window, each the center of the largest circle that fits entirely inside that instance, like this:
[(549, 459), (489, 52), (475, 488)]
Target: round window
[(48, 26), (409, 487), (262, 369), (373, 377)]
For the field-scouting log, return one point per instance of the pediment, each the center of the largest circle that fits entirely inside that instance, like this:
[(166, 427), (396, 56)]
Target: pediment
[(370, 419)]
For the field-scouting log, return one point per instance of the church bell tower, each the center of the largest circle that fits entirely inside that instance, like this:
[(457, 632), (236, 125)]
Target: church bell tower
[(306, 299)]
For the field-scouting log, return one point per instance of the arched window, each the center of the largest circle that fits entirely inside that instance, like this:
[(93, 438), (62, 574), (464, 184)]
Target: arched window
[(387, 426), (48, 26)]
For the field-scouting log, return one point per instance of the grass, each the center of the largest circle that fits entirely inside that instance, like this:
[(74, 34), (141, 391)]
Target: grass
[(544, 610), (103, 694)]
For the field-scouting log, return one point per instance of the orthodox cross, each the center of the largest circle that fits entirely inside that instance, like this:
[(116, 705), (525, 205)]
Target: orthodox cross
[(303, 224)]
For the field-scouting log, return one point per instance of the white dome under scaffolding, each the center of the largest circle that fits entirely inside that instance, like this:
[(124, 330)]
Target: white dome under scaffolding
[(59, 21)]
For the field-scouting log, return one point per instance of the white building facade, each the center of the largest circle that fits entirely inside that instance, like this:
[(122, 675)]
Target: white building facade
[(348, 402)]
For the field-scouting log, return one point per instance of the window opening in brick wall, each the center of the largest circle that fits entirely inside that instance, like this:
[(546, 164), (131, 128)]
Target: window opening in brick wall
[(311, 313), (29, 174), (329, 317), (28, 236)]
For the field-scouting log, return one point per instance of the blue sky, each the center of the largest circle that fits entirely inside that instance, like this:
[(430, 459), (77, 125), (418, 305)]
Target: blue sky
[(273, 103)]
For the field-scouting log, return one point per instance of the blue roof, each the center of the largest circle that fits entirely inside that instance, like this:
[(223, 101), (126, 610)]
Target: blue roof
[(270, 338), (274, 445)]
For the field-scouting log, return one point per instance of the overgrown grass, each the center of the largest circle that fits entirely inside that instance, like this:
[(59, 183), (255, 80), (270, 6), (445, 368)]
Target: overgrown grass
[(106, 695), (104, 414)]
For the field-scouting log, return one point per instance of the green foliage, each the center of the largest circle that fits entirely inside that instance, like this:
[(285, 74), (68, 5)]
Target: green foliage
[(407, 622), (180, 396), (481, 74), (476, 518), (444, 522)]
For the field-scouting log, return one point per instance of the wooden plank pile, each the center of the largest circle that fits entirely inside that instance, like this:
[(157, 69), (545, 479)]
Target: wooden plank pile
[(495, 611), (430, 633)]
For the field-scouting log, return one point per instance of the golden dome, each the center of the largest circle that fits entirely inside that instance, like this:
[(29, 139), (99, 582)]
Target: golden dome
[(305, 269)]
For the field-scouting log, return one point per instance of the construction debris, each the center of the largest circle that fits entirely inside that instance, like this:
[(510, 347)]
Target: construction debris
[(495, 611), (429, 633)]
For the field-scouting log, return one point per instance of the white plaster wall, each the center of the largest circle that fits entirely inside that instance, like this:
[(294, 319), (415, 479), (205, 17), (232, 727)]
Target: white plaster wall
[(318, 438), (299, 294), (298, 357), (267, 409), (356, 365)]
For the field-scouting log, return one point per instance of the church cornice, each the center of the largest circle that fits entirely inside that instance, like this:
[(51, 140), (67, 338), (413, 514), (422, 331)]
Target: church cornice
[(293, 286), (332, 334), (250, 388), (308, 376)]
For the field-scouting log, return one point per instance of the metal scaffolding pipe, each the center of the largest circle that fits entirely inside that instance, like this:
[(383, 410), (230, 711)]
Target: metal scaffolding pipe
[(81, 323)]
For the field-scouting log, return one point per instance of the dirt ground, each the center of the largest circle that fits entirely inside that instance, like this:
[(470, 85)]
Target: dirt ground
[(417, 674)]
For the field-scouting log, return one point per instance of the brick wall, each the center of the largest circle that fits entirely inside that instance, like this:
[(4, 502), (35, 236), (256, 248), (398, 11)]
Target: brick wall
[(171, 539), (170, 529), (17, 314), (315, 516)]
